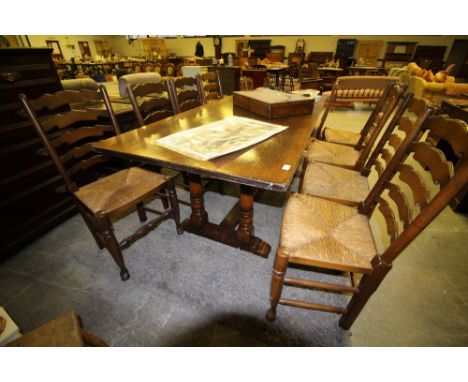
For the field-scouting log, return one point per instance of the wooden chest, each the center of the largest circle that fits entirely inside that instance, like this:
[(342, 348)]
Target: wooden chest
[(272, 104), (32, 196)]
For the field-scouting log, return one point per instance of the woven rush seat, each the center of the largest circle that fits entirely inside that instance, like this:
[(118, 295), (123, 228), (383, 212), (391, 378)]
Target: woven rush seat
[(318, 231), (343, 137), (333, 153), (337, 183), (120, 190)]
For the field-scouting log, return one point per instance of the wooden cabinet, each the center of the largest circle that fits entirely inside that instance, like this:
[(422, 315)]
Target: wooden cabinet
[(32, 196), (398, 53), (229, 77)]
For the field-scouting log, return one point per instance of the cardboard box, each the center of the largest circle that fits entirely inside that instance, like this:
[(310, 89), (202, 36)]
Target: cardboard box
[(272, 104)]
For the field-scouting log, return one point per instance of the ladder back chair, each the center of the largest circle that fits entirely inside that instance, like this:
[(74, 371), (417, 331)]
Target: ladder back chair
[(68, 137), (210, 87), (327, 235), (354, 157), (350, 89), (184, 93), (351, 187), (310, 78), (392, 93), (150, 102)]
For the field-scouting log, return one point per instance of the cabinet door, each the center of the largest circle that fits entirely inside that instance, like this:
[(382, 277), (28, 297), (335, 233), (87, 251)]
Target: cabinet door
[(368, 52)]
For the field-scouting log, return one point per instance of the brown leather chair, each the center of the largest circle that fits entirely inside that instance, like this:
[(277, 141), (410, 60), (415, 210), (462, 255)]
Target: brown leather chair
[(68, 136), (338, 239)]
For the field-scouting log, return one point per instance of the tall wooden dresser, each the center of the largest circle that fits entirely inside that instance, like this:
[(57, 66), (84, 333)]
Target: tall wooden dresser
[(32, 196)]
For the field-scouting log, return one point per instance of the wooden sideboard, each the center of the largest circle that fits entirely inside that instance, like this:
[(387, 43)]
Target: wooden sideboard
[(229, 77), (32, 196)]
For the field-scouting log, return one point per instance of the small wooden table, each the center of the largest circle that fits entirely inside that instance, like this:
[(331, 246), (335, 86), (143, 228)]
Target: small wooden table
[(268, 165)]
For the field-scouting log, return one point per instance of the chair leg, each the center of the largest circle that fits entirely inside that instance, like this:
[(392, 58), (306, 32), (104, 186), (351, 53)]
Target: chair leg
[(91, 225), (105, 226), (367, 287), (141, 212), (277, 279), (305, 163), (174, 205), (164, 201)]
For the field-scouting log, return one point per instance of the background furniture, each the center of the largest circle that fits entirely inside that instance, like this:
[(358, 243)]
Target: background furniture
[(32, 200), (430, 57), (345, 51), (258, 76), (398, 53), (229, 77)]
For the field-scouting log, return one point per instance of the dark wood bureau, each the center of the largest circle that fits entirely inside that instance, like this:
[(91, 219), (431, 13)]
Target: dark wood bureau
[(229, 76), (32, 198)]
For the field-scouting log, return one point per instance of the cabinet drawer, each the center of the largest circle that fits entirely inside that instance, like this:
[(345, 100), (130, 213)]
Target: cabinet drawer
[(30, 205)]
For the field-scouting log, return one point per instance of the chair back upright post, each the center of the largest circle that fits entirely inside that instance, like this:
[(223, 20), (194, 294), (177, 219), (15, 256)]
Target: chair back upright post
[(110, 109)]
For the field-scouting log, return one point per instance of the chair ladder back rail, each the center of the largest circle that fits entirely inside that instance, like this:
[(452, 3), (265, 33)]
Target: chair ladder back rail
[(450, 131), (71, 185), (371, 122), (145, 88), (428, 213), (64, 97), (153, 105), (387, 133), (210, 86), (423, 111), (65, 119), (380, 122), (443, 174), (73, 136), (155, 109), (186, 94), (110, 109), (389, 104)]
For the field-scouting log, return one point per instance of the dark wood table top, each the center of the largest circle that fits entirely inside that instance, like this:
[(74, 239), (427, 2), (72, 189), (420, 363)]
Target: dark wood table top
[(261, 165)]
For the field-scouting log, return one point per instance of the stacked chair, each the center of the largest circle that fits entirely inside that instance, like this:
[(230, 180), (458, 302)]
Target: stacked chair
[(99, 191), (331, 231)]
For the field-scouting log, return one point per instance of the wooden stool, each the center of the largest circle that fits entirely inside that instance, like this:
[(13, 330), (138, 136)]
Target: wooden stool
[(65, 330)]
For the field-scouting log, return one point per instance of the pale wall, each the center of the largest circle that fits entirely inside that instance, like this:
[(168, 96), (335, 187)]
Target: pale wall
[(186, 46)]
